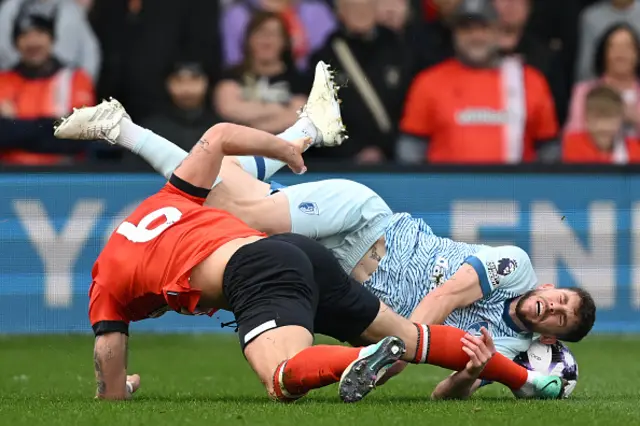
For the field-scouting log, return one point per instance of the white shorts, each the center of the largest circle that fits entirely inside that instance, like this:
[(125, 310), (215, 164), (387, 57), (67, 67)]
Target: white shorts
[(345, 216)]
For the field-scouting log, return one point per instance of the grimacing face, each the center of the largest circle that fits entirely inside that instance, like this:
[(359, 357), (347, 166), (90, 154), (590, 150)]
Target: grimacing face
[(549, 311)]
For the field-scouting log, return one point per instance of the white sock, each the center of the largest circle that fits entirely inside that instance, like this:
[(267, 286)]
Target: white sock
[(160, 153), (529, 388), (263, 168), (131, 134)]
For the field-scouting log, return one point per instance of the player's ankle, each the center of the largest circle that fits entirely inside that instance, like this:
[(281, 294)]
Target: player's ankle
[(131, 135), (277, 388), (305, 126)]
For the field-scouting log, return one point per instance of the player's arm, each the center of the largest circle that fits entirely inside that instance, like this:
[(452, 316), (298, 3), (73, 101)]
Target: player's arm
[(481, 274), (201, 167), (110, 363), (462, 384), (459, 385), (110, 353), (462, 289)]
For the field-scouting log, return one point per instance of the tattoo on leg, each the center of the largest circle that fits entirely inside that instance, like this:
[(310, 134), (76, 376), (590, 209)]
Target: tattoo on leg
[(374, 254), (101, 385), (203, 144)]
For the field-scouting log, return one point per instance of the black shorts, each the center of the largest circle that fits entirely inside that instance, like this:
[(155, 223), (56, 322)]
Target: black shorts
[(269, 284), (289, 279)]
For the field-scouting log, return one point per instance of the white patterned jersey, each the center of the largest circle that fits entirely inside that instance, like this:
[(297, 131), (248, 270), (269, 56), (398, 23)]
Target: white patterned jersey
[(417, 261)]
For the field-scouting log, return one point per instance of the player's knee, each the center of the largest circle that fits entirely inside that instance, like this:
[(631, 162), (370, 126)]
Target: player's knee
[(369, 204), (362, 193)]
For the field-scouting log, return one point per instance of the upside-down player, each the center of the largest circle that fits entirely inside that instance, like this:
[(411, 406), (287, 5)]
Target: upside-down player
[(174, 254)]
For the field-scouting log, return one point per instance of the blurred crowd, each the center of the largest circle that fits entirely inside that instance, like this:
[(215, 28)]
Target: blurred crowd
[(423, 81)]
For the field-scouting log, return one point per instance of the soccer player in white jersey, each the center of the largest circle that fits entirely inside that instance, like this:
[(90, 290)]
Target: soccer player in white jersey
[(430, 279)]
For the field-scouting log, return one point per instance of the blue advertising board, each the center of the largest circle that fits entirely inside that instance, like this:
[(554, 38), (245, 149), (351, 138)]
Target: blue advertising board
[(578, 229)]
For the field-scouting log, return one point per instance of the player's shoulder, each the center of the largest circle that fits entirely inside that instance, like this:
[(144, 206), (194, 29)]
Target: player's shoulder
[(516, 254)]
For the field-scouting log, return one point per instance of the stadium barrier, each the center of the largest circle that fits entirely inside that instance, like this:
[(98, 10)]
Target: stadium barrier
[(579, 230)]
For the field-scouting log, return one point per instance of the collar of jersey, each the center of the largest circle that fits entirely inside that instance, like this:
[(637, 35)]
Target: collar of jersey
[(508, 320)]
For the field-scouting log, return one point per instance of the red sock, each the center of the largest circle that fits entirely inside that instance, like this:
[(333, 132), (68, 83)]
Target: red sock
[(442, 347), (312, 368)]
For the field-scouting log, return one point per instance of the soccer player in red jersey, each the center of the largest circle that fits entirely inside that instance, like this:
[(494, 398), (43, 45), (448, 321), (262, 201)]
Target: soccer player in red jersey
[(172, 253)]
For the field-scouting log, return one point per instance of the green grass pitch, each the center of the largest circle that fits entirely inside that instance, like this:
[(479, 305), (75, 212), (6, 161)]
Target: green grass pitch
[(204, 380)]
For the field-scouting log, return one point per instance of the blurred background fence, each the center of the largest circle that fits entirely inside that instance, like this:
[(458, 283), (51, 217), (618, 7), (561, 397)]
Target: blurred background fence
[(580, 228)]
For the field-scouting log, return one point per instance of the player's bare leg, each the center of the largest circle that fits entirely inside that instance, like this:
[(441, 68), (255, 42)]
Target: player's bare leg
[(270, 349), (238, 189)]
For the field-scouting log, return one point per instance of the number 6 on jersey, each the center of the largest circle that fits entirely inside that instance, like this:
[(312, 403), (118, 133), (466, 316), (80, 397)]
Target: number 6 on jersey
[(141, 234)]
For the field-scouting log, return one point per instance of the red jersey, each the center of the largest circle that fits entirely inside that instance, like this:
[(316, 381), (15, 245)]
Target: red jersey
[(143, 271), (578, 147), (472, 115)]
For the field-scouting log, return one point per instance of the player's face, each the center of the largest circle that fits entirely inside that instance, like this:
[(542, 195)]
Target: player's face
[(549, 311)]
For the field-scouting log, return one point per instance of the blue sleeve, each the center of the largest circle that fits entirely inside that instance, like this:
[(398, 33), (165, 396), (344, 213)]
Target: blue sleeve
[(504, 267), (478, 266)]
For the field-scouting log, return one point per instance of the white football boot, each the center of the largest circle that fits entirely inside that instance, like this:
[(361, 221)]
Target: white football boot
[(101, 121), (323, 107)]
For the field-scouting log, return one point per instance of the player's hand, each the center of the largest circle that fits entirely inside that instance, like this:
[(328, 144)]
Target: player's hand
[(480, 350), (394, 370), (293, 155), (133, 384)]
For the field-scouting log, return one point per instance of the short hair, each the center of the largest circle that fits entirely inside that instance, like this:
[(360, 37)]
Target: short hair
[(604, 101), (600, 59), (586, 316)]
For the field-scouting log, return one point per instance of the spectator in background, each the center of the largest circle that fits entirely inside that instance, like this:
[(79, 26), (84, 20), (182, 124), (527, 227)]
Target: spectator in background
[(513, 39), (439, 41), (266, 90), (397, 16), (189, 115), (141, 40), (594, 22), (75, 42), (603, 141), (36, 91), (478, 107), (617, 64), (377, 66), (555, 24), (308, 22)]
